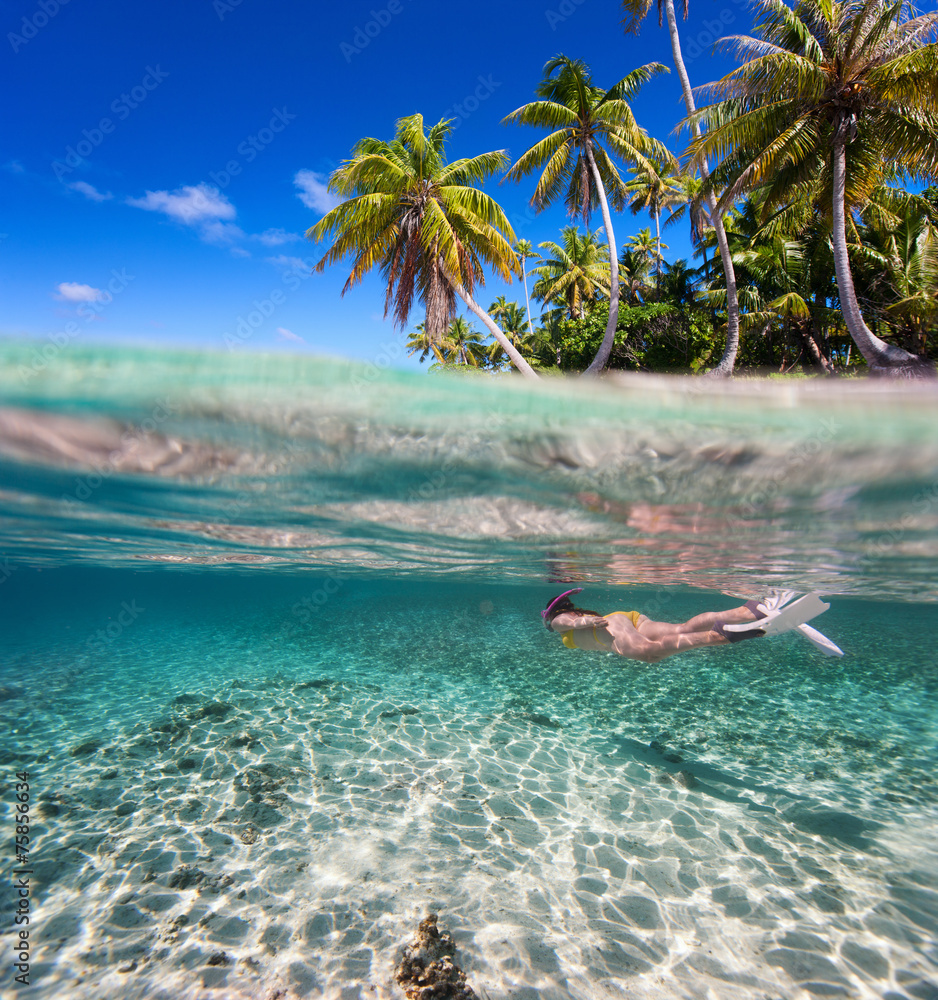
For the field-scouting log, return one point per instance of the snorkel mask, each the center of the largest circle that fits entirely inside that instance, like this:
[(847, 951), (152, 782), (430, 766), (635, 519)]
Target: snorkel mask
[(557, 600)]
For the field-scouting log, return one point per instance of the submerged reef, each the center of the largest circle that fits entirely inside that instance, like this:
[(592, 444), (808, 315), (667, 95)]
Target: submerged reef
[(426, 970)]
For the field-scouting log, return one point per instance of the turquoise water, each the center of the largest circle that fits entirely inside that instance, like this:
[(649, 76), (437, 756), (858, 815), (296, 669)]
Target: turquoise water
[(273, 661)]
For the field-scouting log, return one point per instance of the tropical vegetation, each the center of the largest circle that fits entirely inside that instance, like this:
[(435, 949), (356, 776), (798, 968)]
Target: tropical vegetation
[(815, 248), (834, 101), (590, 128), (424, 222)]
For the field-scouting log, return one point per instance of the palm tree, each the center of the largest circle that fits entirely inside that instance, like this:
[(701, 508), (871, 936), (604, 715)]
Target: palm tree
[(424, 222), (578, 269), (636, 11), (692, 203), (584, 119), (785, 270), (512, 318), (421, 341), (463, 343), (549, 334), (900, 249), (647, 248), (779, 269), (835, 98), (524, 251), (653, 189), (679, 283), (633, 273)]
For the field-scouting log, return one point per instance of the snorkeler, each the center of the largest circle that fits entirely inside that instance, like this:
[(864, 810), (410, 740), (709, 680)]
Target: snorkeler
[(634, 635)]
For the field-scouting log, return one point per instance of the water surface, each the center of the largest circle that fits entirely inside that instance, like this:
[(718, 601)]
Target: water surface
[(273, 659)]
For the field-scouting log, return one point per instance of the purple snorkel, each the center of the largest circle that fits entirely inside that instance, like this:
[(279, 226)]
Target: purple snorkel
[(547, 610)]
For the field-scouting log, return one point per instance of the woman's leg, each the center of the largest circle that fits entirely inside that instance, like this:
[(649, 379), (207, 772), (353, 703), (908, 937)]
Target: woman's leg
[(638, 646), (699, 623)]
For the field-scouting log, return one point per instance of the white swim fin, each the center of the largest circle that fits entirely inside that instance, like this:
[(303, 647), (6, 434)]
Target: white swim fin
[(820, 640), (776, 600), (786, 618)]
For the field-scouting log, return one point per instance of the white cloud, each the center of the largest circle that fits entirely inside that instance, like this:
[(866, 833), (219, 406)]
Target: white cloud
[(207, 210), (221, 232), (90, 191), (313, 191), (72, 291), (274, 237), (190, 205), (292, 263), (286, 334)]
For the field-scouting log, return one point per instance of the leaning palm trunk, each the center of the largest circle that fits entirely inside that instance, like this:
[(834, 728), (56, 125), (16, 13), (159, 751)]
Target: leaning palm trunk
[(516, 359), (817, 356), (605, 349), (728, 361), (527, 300), (882, 358)]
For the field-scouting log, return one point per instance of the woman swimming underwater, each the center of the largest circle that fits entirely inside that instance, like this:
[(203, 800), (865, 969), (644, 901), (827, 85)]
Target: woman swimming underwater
[(634, 635)]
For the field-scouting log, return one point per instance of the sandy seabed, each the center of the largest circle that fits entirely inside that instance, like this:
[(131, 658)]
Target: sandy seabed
[(281, 838)]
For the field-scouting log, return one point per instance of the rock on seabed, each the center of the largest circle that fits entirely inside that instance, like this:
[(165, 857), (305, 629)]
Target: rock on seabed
[(426, 970)]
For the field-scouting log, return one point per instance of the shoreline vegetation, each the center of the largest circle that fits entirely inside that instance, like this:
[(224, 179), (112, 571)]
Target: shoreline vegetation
[(815, 256)]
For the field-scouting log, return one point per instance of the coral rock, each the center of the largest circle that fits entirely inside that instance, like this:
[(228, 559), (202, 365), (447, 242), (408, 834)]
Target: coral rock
[(426, 970)]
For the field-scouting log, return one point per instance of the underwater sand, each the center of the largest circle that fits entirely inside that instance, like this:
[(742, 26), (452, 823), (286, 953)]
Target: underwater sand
[(334, 708)]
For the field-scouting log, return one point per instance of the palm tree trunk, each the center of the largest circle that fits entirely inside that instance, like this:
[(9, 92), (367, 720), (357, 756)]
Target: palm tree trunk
[(527, 300), (808, 338), (516, 359), (605, 348), (883, 358), (728, 361), (658, 253)]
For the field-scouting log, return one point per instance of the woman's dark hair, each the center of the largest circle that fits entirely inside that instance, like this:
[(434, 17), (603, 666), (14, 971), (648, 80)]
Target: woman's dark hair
[(566, 605)]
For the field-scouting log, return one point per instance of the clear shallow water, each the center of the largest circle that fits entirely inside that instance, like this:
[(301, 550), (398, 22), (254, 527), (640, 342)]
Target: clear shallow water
[(276, 667)]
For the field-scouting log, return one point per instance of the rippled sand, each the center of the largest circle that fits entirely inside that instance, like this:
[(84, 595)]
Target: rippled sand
[(287, 829)]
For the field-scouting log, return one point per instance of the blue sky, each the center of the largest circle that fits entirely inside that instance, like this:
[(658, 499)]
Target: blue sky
[(163, 161)]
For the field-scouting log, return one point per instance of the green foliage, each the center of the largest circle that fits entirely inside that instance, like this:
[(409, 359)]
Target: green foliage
[(461, 346), (420, 219), (835, 99), (821, 72), (585, 121), (573, 271), (657, 336)]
